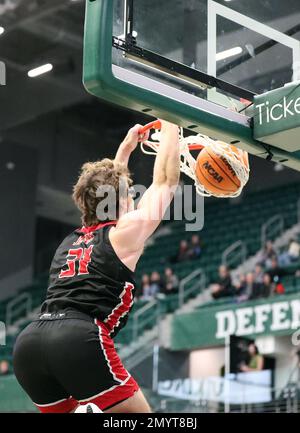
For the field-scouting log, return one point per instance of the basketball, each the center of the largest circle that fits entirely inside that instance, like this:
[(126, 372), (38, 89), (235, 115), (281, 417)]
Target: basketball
[(216, 174), (88, 408)]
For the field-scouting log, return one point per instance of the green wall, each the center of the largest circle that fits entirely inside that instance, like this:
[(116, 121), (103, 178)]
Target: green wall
[(279, 315)]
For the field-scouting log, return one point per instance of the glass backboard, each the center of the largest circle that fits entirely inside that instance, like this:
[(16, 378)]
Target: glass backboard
[(197, 62), (254, 46)]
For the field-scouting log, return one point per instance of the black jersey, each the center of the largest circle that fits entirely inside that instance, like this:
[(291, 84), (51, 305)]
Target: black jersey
[(86, 275)]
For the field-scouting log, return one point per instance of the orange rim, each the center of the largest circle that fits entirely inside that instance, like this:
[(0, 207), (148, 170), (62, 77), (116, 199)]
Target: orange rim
[(195, 146), (156, 124)]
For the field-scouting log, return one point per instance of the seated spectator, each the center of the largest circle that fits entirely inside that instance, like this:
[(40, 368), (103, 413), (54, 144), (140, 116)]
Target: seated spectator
[(171, 282), (255, 362), (268, 252), (291, 255), (266, 289), (276, 273), (156, 284), (4, 368), (294, 250), (183, 253), (241, 284), (258, 274), (195, 247), (145, 289), (224, 286), (249, 288)]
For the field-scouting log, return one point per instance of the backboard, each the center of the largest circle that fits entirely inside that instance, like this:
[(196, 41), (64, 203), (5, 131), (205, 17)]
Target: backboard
[(199, 63)]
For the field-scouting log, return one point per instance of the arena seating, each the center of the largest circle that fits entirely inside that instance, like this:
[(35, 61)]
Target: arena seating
[(291, 284), (226, 221)]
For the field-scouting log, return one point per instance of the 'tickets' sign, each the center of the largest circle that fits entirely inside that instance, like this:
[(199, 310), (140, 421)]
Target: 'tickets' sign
[(277, 117), (210, 326)]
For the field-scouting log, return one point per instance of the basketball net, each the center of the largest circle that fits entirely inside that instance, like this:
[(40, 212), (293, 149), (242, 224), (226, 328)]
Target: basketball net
[(236, 158)]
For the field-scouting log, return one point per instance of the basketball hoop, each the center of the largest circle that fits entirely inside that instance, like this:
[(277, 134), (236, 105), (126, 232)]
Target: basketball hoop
[(236, 158)]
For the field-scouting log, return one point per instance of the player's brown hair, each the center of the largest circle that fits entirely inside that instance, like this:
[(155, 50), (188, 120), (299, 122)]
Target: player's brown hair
[(94, 175)]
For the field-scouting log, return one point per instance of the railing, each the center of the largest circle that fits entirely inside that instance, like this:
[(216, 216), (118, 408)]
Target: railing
[(287, 401), (22, 304), (282, 400), (235, 252), (138, 356), (140, 319), (151, 313), (185, 292), (172, 405), (273, 227)]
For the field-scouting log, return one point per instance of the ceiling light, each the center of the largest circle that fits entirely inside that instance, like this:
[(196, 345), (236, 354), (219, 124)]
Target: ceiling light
[(40, 70), (2, 30), (229, 53)]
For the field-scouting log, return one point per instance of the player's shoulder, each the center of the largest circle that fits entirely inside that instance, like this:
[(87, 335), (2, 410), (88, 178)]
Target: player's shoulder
[(92, 234)]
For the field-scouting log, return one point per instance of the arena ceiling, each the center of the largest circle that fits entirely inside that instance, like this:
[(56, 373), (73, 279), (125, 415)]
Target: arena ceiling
[(39, 31)]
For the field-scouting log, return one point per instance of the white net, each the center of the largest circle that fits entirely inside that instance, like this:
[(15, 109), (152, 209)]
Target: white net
[(236, 158)]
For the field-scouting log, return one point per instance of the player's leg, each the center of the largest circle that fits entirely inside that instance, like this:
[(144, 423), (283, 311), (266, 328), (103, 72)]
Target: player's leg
[(93, 372), (32, 373), (135, 404)]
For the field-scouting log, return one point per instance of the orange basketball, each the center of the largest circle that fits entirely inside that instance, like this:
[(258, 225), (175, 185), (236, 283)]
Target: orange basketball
[(215, 173)]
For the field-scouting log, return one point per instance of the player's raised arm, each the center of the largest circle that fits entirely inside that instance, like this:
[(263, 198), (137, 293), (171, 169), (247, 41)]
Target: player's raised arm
[(133, 228), (129, 144), (166, 171)]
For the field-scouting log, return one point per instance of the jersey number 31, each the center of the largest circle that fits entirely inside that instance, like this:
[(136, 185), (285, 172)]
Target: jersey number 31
[(78, 255)]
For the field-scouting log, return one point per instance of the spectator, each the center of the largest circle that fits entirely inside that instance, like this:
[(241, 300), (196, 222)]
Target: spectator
[(256, 361), (195, 247), (263, 290), (183, 253), (291, 255), (266, 255), (171, 282), (4, 368), (294, 250), (223, 287), (267, 287), (258, 274), (276, 273), (240, 286), (146, 291), (156, 284), (249, 288)]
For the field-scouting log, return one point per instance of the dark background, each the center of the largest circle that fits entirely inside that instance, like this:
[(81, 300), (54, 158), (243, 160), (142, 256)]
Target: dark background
[(50, 126)]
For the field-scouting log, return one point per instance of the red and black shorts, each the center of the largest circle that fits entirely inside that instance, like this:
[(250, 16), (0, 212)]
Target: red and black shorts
[(69, 360)]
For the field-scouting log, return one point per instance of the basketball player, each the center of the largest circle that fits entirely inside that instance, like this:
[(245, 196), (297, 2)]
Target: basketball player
[(66, 358)]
